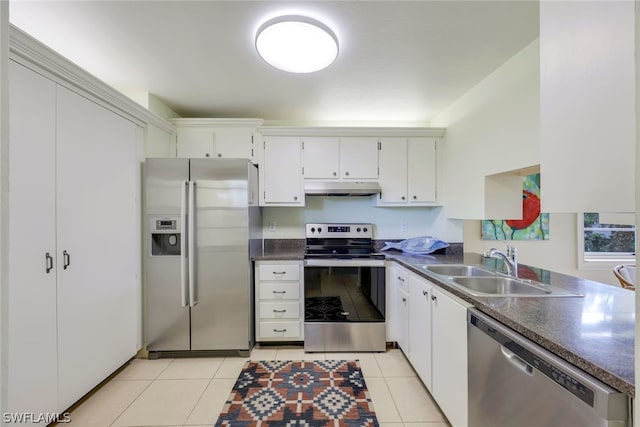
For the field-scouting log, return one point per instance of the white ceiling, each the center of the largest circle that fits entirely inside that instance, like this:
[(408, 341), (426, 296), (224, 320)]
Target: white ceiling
[(400, 62)]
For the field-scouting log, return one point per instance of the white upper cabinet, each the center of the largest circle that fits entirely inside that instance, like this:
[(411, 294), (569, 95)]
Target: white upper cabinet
[(281, 172), (321, 157), (393, 171), (407, 171), (359, 158), (421, 170), (587, 106), (225, 138)]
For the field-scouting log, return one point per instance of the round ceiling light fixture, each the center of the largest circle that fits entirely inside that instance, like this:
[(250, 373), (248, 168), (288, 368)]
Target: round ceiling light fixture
[(296, 44)]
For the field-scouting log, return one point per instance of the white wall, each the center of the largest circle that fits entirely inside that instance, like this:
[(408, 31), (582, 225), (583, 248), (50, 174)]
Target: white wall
[(494, 128), (157, 142), (491, 129), (421, 221), (587, 100), (4, 207)]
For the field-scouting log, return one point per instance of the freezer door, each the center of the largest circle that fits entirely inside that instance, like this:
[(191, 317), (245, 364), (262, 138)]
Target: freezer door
[(166, 319), (221, 318)]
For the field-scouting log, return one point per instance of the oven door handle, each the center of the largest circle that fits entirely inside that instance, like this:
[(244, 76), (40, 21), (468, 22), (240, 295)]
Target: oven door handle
[(338, 262)]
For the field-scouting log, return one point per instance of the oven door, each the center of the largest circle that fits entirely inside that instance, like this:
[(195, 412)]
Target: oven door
[(344, 290), (344, 305)]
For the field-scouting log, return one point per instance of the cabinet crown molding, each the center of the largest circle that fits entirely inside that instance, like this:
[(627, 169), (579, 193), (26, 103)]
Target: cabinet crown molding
[(29, 52), (353, 131), (208, 122)]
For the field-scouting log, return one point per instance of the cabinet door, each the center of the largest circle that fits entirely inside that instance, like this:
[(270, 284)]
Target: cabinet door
[(393, 171), (233, 143), (194, 142), (359, 158), (449, 341), (282, 171), (422, 170), (402, 311), (397, 280), (98, 227), (321, 157), (32, 342), (420, 327)]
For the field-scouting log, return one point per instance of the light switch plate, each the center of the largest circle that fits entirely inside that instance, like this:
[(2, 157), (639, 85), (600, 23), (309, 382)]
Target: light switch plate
[(272, 226), (404, 226)]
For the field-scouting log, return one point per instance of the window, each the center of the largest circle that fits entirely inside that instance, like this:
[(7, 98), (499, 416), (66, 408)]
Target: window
[(608, 237)]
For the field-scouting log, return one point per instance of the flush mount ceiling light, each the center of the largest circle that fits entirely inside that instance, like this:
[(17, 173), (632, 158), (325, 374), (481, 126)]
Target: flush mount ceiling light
[(297, 44)]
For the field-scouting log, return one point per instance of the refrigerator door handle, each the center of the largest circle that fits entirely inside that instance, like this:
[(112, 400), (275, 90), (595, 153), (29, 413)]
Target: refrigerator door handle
[(193, 299), (183, 246)]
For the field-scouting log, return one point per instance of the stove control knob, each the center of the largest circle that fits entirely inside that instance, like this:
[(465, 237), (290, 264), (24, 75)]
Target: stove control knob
[(358, 229), (319, 230), (364, 229), (313, 229)]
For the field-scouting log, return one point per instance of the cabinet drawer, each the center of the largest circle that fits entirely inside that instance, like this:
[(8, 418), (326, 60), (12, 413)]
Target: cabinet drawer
[(280, 310), (280, 329), (279, 290), (279, 272)]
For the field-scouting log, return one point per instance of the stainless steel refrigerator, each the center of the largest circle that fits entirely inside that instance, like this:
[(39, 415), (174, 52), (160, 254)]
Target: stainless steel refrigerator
[(202, 227)]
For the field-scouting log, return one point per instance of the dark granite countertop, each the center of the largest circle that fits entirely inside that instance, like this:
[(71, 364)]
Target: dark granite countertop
[(595, 333), (282, 249)]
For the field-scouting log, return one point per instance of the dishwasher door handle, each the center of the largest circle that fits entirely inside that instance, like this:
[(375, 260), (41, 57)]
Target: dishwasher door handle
[(516, 361)]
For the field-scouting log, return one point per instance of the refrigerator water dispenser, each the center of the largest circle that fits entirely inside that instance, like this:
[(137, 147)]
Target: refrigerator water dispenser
[(165, 236)]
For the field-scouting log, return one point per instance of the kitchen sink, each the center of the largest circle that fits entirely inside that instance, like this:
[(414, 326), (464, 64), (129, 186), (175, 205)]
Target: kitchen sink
[(499, 286), (458, 270), (507, 287), (483, 282)]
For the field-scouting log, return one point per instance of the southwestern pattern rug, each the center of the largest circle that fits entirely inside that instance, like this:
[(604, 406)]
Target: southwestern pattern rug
[(320, 393)]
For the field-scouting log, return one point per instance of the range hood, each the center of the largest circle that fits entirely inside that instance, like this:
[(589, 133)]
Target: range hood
[(341, 188)]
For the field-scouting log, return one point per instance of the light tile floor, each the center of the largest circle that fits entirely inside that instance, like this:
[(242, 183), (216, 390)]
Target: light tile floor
[(191, 392)]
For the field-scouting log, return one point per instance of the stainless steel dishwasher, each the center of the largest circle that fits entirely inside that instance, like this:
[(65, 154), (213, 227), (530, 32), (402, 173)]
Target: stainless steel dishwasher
[(515, 382)]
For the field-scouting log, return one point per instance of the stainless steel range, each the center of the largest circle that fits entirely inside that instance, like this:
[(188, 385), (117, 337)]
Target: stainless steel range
[(344, 289)]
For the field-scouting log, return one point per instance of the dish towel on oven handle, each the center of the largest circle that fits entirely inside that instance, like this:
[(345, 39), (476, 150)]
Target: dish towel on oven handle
[(417, 245)]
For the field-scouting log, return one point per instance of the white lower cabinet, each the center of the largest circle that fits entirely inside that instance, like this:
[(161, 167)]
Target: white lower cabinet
[(420, 345), (279, 305), (430, 326), (397, 313), (74, 282), (449, 355)]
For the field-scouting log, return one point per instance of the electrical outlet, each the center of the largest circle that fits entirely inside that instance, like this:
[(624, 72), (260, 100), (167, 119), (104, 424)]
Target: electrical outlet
[(404, 226), (272, 226)]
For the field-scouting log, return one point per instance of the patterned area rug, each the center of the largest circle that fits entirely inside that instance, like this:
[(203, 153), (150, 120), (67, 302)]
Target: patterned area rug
[(303, 393)]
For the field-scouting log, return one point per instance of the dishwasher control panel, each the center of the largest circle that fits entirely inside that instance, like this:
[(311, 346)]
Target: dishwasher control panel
[(559, 376)]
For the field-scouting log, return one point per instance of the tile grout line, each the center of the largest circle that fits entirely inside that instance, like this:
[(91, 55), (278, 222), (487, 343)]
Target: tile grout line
[(131, 403), (141, 392)]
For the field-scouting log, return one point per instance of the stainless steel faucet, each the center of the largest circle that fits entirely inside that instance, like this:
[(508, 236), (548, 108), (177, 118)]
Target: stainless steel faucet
[(510, 258)]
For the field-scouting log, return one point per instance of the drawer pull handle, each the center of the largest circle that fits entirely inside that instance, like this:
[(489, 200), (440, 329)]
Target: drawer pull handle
[(279, 311), (280, 330), (279, 292), (425, 293), (401, 279), (279, 272)]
